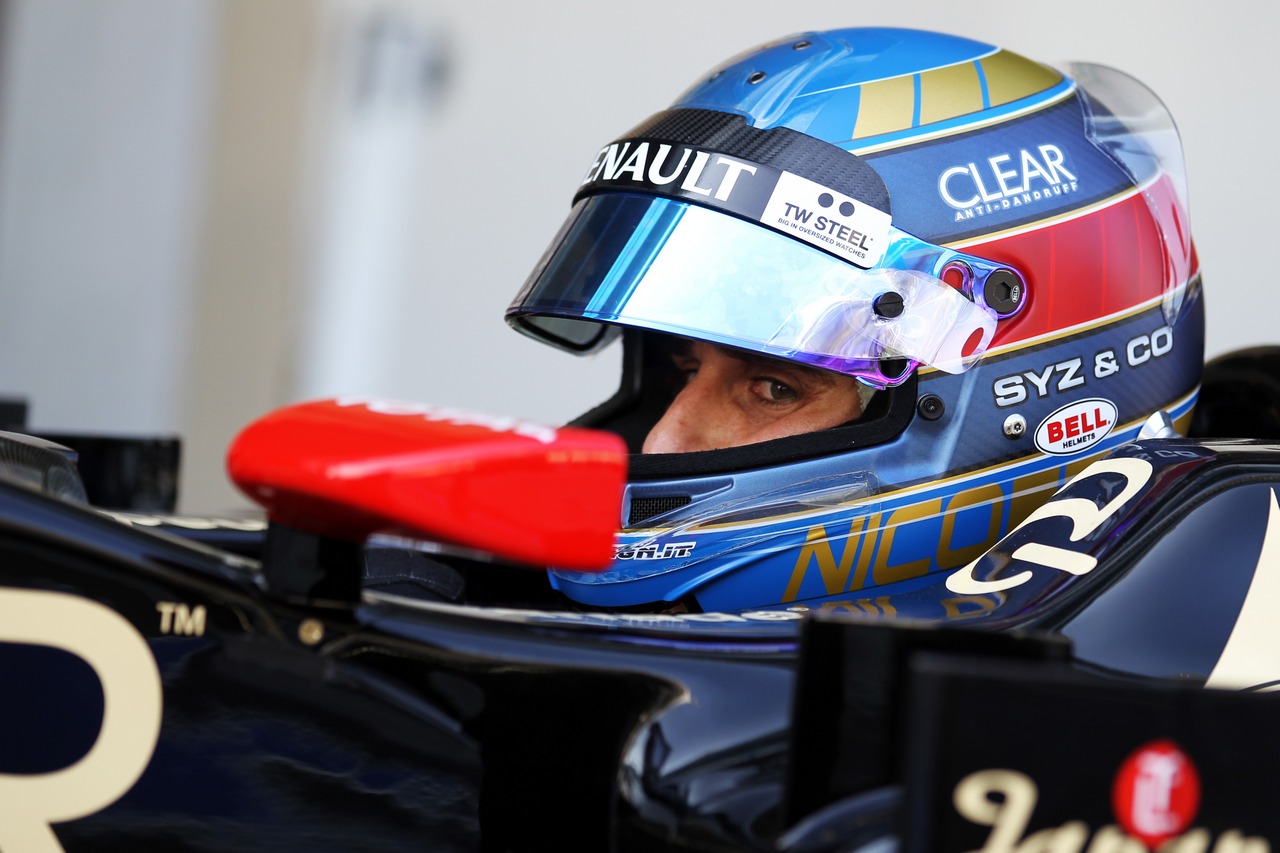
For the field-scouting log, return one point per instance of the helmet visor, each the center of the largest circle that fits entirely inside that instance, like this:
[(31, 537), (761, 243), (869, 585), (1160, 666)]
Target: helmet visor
[(1130, 124), (666, 265)]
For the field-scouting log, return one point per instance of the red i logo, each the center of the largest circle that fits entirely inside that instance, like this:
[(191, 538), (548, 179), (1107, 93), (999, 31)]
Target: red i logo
[(1156, 793)]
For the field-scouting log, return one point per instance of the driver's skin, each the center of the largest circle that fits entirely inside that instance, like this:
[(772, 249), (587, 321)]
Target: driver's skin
[(732, 398)]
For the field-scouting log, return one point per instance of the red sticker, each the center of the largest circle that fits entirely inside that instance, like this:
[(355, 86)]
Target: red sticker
[(971, 345), (1156, 793)]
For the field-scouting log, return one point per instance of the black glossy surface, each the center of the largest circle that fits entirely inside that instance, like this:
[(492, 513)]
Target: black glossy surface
[(1065, 737), (381, 722)]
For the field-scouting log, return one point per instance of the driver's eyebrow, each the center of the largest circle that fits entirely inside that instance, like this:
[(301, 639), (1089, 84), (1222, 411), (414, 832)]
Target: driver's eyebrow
[(764, 362)]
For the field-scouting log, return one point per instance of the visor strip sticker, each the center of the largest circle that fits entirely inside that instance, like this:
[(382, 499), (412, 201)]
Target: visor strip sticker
[(807, 189)]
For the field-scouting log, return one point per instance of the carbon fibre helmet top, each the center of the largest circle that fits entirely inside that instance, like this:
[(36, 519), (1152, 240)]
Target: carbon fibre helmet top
[(991, 239)]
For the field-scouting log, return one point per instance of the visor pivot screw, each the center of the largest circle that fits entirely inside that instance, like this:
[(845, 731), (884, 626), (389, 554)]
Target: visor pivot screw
[(1003, 291), (1015, 426), (311, 631), (888, 304), (931, 407)]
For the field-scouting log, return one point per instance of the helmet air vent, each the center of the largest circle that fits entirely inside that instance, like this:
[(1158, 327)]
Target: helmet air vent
[(643, 509)]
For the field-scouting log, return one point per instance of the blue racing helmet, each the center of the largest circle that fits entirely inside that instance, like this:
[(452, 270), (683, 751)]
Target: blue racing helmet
[(999, 248)]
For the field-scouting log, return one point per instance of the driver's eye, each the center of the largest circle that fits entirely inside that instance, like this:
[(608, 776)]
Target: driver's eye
[(686, 368), (777, 392)]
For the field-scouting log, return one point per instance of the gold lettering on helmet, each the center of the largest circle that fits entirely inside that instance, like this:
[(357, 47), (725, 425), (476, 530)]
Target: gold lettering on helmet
[(835, 577), (860, 558), (886, 572), (989, 495)]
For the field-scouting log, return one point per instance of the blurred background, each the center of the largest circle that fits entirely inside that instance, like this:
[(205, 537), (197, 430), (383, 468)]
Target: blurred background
[(211, 208)]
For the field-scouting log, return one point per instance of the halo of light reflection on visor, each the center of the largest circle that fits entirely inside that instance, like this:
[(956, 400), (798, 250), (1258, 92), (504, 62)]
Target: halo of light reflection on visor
[(661, 264)]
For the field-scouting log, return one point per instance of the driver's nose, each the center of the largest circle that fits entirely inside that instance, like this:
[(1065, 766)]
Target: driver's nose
[(692, 421)]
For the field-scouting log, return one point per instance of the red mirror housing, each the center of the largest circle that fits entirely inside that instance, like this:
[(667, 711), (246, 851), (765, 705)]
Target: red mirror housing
[(346, 468)]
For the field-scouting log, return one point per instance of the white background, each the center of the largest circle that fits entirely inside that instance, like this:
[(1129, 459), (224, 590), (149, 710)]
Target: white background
[(210, 208)]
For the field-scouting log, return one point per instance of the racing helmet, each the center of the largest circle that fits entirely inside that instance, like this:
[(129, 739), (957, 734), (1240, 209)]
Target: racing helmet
[(1001, 248)]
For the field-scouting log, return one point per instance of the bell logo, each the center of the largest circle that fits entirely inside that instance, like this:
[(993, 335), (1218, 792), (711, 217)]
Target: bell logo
[(1156, 793), (1076, 427)]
